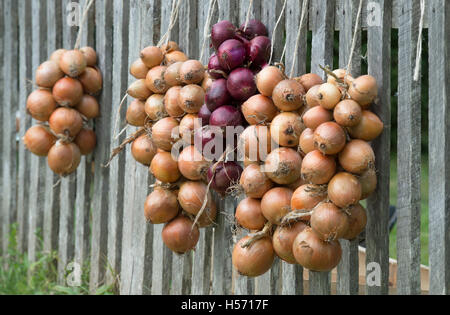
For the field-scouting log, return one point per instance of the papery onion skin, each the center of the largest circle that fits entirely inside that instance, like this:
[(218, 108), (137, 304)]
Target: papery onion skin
[(357, 222), (255, 182), (143, 150), (161, 206), (255, 260), (64, 159), (224, 175), (165, 168), (48, 73), (369, 183), (39, 140), (73, 63), (344, 190), (163, 133), (192, 72), (249, 215), (267, 79), (257, 142), (41, 105), (253, 29), (221, 32), (307, 197), (57, 55), (192, 98), (204, 114), (317, 168), (312, 97), (155, 80), (192, 196), (310, 80), (90, 55), (259, 109), (288, 95), (307, 141), (241, 84), (226, 116), (86, 140), (329, 96), (369, 128), (139, 90), (92, 80), (68, 92), (217, 95), (136, 115), (180, 235), (152, 56), (316, 116), (192, 164), (357, 157), (187, 127), (172, 74), (283, 166), (172, 102), (329, 138), (155, 108), (174, 57), (286, 129), (66, 121), (364, 90), (88, 107), (231, 54), (329, 222), (283, 241), (259, 50), (276, 204), (216, 71), (347, 113)]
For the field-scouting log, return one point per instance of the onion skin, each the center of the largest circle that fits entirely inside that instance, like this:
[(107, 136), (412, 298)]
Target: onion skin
[(214, 68), (329, 96), (162, 133), (357, 157), (66, 121), (241, 84), (41, 105), (208, 217), (139, 90), (283, 166), (39, 140), (192, 195), (155, 108), (307, 141), (155, 80), (317, 168), (73, 63), (257, 143), (222, 32), (207, 82), (364, 90), (172, 74), (218, 95), (369, 128), (347, 113), (305, 198), (369, 183), (90, 55), (259, 109), (174, 57), (192, 98), (143, 150), (64, 159), (231, 54), (170, 46), (310, 80), (316, 116), (68, 92), (57, 55), (296, 185), (286, 129), (180, 235), (253, 29), (288, 95), (249, 215), (187, 127), (161, 206), (276, 204), (48, 74), (344, 190), (226, 116), (255, 260), (136, 115), (314, 254), (224, 175), (172, 102), (329, 138), (192, 164), (259, 50), (152, 56), (329, 222), (165, 168), (204, 114), (207, 140), (357, 222), (92, 80), (283, 241), (86, 140), (88, 107), (254, 182), (312, 97), (139, 70), (267, 79), (192, 72)]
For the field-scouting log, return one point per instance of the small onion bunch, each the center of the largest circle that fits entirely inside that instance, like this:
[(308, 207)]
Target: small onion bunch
[(63, 104)]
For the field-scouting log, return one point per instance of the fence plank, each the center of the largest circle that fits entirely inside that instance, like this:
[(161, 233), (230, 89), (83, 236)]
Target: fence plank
[(2, 95), (270, 13), (255, 10), (409, 150), (439, 147), (377, 231)]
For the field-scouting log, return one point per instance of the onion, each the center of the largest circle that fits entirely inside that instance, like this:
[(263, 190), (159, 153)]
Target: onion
[(257, 142), (344, 190), (139, 90), (192, 196), (63, 159), (73, 63), (161, 206), (329, 222), (172, 74), (307, 197), (369, 128), (192, 72), (136, 115), (139, 70), (231, 54), (249, 215), (307, 141), (204, 114), (217, 95), (155, 108), (357, 157), (174, 57), (39, 140), (88, 107), (172, 102), (253, 29), (288, 95), (224, 175), (41, 105), (329, 96), (180, 235), (57, 55), (192, 98), (283, 166), (226, 116), (143, 150), (48, 74), (208, 217), (316, 116), (208, 140), (312, 96), (207, 82), (259, 109), (286, 129), (68, 92), (86, 140), (90, 55), (170, 46), (92, 80), (214, 68), (296, 185), (317, 168), (254, 182), (155, 80), (152, 56), (310, 80), (221, 32), (283, 241), (192, 164), (248, 162), (340, 73), (241, 84), (164, 133), (347, 113), (255, 260), (314, 254), (165, 168), (276, 204), (268, 79), (187, 127), (259, 50), (329, 138), (357, 222), (66, 121), (364, 90), (369, 183)]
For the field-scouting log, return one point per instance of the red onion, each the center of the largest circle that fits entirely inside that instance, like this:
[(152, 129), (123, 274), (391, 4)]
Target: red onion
[(241, 84), (204, 114), (254, 28), (208, 136), (217, 95), (259, 50), (215, 68), (224, 175), (226, 116), (221, 32), (232, 54)]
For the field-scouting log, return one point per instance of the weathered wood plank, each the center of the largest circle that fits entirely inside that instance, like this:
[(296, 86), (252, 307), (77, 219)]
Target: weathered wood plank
[(255, 10), (377, 231), (293, 17), (319, 283), (2, 94), (439, 147), (409, 153), (270, 15)]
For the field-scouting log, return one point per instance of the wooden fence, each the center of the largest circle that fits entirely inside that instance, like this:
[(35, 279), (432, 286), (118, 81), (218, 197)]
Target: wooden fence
[(95, 217)]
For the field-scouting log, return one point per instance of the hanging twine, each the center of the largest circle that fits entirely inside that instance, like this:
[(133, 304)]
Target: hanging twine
[(212, 4), (419, 41), (300, 28), (355, 34), (247, 19), (173, 21), (275, 29), (83, 20)]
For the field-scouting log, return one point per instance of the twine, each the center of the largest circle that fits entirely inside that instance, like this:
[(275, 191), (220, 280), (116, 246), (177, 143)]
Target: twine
[(247, 19), (352, 50), (173, 21), (297, 44), (83, 20), (419, 41), (275, 29), (212, 4)]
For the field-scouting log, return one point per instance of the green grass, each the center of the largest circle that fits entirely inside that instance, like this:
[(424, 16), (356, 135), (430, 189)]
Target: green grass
[(424, 210)]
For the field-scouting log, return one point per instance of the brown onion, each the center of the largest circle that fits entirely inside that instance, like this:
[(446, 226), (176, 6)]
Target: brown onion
[(48, 74), (283, 241), (364, 90), (312, 97), (307, 197), (329, 96), (64, 159), (276, 203), (267, 79), (41, 105), (73, 63), (161, 206), (68, 92), (347, 113), (136, 115), (192, 164), (255, 260), (154, 107), (297, 184), (249, 214), (192, 98), (207, 82), (170, 46), (257, 142), (192, 72), (307, 141), (341, 74), (155, 80), (369, 128), (172, 74), (90, 55), (139, 70), (180, 235), (143, 150), (344, 190), (39, 140), (174, 57), (57, 55), (316, 116), (317, 168), (283, 166), (357, 218), (329, 222), (357, 157), (165, 168), (208, 217), (192, 195), (310, 80), (288, 95), (139, 90), (286, 129), (329, 138), (254, 182), (172, 102), (92, 80), (86, 140), (66, 121), (369, 183), (163, 133), (152, 56), (187, 127), (88, 107), (259, 109)]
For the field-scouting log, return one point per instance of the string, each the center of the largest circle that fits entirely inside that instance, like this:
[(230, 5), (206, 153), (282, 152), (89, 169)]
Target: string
[(83, 20), (275, 29), (212, 4), (419, 41), (247, 19), (355, 34), (297, 44)]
